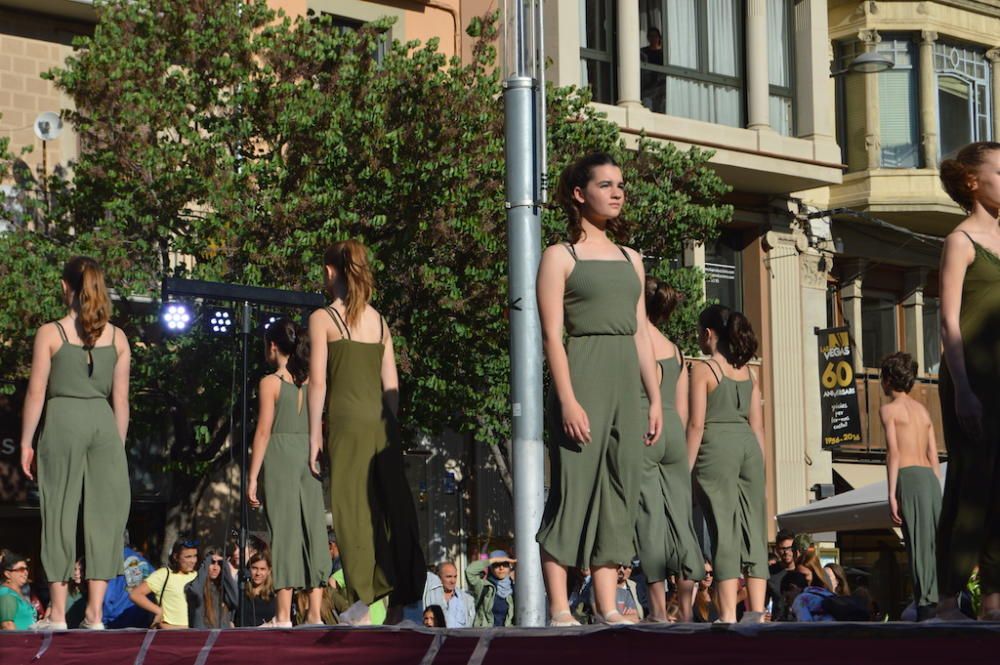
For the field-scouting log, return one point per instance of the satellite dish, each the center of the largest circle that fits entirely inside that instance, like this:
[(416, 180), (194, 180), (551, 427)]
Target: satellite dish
[(48, 126)]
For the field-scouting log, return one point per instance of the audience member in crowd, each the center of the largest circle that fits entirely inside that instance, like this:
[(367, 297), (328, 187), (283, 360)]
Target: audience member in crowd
[(492, 585), (626, 593), (213, 595), (119, 610), (580, 583), (167, 585), (809, 565), (705, 609), (16, 613), (328, 613), (331, 540), (260, 597), (784, 550), (434, 617), (76, 596), (458, 605), (837, 579)]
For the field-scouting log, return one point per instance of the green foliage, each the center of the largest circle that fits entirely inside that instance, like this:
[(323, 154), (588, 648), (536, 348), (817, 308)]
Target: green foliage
[(249, 142)]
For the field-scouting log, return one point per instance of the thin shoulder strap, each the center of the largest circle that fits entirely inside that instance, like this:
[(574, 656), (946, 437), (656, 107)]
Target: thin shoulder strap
[(718, 375), (381, 328), (572, 251), (339, 321), (974, 243), (678, 354), (62, 331), (625, 254), (114, 331)]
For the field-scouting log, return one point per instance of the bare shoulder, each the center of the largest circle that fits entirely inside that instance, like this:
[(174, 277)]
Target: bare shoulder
[(121, 340), (319, 317), (558, 253), (887, 411), (633, 254), (269, 384), (700, 370), (959, 243)]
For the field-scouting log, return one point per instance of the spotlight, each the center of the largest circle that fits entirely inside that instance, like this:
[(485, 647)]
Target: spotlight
[(218, 320), (268, 318), (176, 317)]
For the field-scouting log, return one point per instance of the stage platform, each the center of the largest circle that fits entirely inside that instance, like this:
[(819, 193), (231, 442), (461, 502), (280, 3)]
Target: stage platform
[(773, 644)]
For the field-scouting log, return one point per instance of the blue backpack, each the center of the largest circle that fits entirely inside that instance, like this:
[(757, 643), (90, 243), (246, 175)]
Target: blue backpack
[(119, 610)]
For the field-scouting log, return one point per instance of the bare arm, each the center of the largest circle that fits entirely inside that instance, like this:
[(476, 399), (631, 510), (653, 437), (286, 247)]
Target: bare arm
[(957, 256), (140, 596), (681, 393), (701, 376), (756, 412), (119, 385), (390, 376), (41, 364), (932, 451), (319, 322), (553, 270), (891, 460), (267, 391), (647, 363)]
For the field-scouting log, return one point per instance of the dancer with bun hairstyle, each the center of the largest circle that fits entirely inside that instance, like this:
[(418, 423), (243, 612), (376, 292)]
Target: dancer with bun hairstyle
[(664, 531), (725, 441), (293, 494), (591, 287), (80, 362), (969, 528), (353, 370)]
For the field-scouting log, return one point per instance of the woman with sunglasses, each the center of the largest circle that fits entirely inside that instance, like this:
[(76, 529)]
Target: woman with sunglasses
[(168, 586), (16, 613), (705, 610), (492, 585), (212, 596)]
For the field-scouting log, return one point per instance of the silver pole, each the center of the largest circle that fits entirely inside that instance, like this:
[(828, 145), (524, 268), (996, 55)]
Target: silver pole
[(524, 213)]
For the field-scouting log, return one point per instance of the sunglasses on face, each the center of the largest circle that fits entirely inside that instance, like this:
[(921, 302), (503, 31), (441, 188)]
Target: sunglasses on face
[(19, 569), (217, 562), (709, 573), (502, 564)]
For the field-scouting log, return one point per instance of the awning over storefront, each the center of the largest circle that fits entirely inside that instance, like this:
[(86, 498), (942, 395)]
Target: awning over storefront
[(863, 508)]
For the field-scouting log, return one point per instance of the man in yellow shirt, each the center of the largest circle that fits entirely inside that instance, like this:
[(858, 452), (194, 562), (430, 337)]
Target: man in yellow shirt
[(170, 609)]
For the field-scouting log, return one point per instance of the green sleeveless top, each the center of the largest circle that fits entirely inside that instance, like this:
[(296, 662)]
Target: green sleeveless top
[(289, 416), (80, 372), (980, 317), (354, 374), (670, 371), (729, 403), (600, 297)]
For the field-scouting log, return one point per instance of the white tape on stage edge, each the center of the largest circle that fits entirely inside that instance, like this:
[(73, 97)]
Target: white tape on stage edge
[(432, 650), (482, 648), (207, 649), (144, 649)]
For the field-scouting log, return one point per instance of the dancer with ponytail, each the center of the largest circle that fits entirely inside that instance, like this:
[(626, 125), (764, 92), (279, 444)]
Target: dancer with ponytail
[(664, 532), (352, 373), (293, 493), (969, 528), (79, 363), (725, 442), (591, 287)]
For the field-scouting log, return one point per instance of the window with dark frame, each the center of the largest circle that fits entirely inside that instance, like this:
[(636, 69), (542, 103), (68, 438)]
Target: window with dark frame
[(724, 270), (343, 24), (964, 98), (598, 60), (781, 65)]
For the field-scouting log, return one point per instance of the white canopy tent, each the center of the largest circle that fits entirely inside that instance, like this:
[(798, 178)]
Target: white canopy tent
[(863, 508)]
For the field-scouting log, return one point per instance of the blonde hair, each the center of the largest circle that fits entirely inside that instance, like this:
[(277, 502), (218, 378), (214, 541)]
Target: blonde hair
[(350, 258), (89, 297)]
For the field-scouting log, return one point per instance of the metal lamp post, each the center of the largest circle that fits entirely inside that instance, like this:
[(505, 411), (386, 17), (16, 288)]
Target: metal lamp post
[(525, 154)]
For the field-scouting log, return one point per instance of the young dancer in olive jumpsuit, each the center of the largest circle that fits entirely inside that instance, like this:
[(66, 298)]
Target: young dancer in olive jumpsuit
[(664, 531), (594, 412), (293, 496), (969, 528), (373, 510), (725, 445), (81, 454)]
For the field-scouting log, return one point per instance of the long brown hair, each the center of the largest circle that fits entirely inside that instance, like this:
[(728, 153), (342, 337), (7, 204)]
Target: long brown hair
[(350, 259), (661, 300), (810, 559), (957, 174), (212, 589), (293, 341), (266, 590), (737, 342), (88, 297), (578, 174)]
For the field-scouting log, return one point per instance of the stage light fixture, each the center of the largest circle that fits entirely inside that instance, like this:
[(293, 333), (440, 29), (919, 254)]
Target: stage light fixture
[(268, 318), (176, 317), (218, 320)]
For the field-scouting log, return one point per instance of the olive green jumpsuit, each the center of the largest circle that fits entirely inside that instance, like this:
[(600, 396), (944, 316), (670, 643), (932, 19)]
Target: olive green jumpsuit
[(730, 474), (664, 531), (593, 501), (969, 529), (373, 511), (293, 497), (81, 457)]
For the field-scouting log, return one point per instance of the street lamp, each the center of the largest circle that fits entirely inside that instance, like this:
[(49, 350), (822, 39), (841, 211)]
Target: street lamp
[(525, 185), (869, 62)]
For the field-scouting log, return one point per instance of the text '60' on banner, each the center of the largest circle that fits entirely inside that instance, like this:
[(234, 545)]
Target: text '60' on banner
[(838, 391)]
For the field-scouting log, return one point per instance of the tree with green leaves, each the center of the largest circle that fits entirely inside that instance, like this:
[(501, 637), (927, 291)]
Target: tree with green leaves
[(226, 141)]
